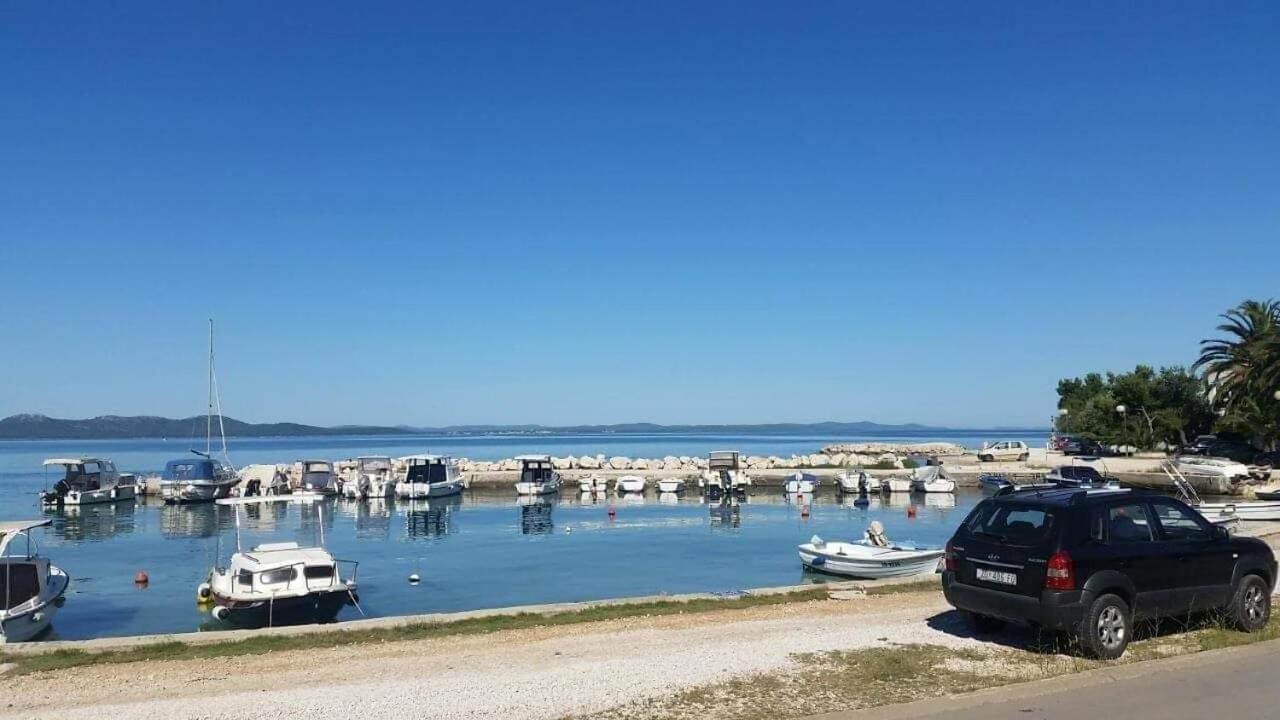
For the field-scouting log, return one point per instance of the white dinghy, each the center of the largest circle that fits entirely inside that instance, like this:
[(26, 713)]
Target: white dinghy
[(671, 485), (874, 557), (630, 484), (31, 588)]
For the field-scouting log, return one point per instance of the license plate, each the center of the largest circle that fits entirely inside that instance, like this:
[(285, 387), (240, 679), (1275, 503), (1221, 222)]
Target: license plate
[(995, 576)]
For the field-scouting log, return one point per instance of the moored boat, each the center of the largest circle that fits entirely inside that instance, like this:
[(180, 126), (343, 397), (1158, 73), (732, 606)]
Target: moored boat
[(931, 479), (372, 477), (724, 474), (873, 557), (31, 588), (317, 476), (630, 484), (428, 476), (201, 479), (538, 476), (896, 484), (800, 482), (671, 485), (87, 481)]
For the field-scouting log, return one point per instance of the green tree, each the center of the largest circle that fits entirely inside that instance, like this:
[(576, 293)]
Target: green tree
[(1242, 370), (1161, 406)]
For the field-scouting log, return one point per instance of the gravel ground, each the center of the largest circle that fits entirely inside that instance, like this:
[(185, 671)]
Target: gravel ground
[(535, 673)]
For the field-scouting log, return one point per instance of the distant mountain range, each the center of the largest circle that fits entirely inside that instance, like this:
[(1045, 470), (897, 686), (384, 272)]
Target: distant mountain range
[(40, 427)]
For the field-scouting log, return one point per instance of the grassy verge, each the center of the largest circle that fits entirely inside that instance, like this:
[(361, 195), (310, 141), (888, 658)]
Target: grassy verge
[(60, 659), (870, 677)]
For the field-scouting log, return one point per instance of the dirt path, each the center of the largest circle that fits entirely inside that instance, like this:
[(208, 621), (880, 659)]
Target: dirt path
[(536, 673)]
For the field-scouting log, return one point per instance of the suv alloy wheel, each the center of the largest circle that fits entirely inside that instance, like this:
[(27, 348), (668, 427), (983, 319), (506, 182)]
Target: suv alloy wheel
[(1107, 627), (1251, 604)]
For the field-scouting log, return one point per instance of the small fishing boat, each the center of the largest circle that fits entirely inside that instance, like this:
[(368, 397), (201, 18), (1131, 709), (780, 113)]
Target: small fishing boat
[(537, 476), (593, 484), (1216, 476), (800, 482), (280, 584), (931, 479), (873, 557), (724, 474), (429, 476), (86, 481), (203, 479), (671, 485), (896, 484), (1267, 494), (373, 478), (317, 476), (1219, 513), (630, 484), (31, 588), (852, 481)]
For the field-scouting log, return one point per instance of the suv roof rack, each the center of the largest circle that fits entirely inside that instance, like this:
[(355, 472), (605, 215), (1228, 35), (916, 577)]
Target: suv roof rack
[(1057, 494)]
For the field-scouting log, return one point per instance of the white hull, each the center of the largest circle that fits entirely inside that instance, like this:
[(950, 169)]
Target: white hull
[(195, 491), (1257, 511), (298, 497), (937, 486), (866, 561), (545, 488), (116, 493), (377, 490), (631, 484), (897, 485), (847, 483), (29, 620), (799, 486), (420, 491), (671, 485)]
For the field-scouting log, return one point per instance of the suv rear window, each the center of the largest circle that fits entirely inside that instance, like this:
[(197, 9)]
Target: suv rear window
[(1012, 524)]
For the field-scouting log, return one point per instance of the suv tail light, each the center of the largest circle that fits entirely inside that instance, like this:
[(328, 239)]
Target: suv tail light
[(1059, 574), (949, 558)]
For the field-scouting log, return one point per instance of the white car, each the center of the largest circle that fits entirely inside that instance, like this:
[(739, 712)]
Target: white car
[(1004, 450)]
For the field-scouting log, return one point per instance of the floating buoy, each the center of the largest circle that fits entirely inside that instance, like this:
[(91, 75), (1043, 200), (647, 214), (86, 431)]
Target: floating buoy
[(568, 530), (141, 578), (911, 511), (204, 593), (613, 511), (413, 579), (804, 511), (219, 612)]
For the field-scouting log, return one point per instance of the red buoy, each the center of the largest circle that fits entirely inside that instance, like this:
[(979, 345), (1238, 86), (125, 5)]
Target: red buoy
[(911, 511), (804, 510), (612, 511), (140, 578)]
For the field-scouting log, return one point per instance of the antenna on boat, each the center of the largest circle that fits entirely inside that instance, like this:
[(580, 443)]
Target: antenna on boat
[(208, 420)]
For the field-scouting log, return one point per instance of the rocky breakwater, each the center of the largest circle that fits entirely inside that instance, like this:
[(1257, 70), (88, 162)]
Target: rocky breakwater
[(938, 449), (685, 464)]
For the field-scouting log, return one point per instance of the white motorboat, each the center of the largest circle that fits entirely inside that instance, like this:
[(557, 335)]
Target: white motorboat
[(428, 476), (1081, 476), (800, 482), (371, 478), (204, 479), (630, 484), (873, 557), (1220, 513), (88, 480), (317, 476), (593, 484), (671, 485), (896, 484), (31, 588), (724, 474), (280, 584), (537, 476), (931, 479), (261, 480), (1216, 476)]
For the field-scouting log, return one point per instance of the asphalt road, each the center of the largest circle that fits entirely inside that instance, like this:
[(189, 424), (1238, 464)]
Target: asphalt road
[(1238, 683)]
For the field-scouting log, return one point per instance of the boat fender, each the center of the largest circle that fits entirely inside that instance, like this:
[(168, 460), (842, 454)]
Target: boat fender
[(219, 612), (204, 593), (141, 578), (414, 579), (37, 617), (911, 511)]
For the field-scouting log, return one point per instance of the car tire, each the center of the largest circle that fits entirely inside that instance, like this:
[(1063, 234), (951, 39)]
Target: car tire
[(985, 458), (1023, 457), (982, 624), (1250, 607), (1107, 627)]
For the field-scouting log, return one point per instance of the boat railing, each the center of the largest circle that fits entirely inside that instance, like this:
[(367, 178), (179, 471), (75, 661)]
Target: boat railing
[(1186, 491)]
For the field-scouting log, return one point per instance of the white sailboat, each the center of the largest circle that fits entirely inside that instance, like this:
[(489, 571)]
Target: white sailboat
[(208, 479), (31, 588)]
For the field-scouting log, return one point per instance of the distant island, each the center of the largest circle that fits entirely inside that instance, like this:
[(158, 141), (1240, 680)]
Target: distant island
[(107, 427)]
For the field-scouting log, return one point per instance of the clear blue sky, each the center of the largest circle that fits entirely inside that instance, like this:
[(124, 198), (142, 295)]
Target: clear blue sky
[(604, 212)]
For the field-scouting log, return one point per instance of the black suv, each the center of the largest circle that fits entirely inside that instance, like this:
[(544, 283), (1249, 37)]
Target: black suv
[(1090, 562)]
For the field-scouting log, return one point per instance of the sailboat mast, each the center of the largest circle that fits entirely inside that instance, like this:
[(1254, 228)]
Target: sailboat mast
[(208, 424)]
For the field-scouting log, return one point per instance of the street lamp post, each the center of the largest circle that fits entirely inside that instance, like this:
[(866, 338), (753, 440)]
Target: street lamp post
[(1124, 424)]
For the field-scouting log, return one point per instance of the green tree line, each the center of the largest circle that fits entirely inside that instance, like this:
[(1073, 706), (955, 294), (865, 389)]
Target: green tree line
[(1233, 388)]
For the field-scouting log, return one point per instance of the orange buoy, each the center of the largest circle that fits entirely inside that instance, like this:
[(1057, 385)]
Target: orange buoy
[(141, 578), (612, 511), (911, 511)]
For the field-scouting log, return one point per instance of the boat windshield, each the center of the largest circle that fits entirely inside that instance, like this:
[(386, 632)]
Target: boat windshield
[(536, 472), (19, 582), (432, 472)]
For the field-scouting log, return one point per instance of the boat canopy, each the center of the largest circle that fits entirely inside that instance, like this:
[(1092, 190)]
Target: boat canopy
[(422, 459), (198, 469), (70, 461), (1082, 473), (12, 528), (533, 458), (430, 472), (316, 466), (723, 460), (930, 473)]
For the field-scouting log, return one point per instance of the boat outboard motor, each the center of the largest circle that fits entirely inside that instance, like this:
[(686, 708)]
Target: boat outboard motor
[(253, 487), (875, 534)]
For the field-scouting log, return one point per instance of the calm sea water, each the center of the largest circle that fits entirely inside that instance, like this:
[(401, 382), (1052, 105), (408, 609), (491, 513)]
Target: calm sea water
[(482, 549)]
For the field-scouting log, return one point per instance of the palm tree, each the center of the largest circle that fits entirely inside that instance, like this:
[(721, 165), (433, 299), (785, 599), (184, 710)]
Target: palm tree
[(1242, 370)]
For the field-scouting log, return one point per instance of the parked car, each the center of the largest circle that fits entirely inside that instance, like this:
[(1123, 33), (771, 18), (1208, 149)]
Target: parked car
[(1082, 446), (1004, 450), (1230, 448), (1268, 459), (1091, 562)]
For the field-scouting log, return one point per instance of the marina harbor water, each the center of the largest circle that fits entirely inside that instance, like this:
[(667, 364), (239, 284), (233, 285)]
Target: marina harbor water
[(483, 548)]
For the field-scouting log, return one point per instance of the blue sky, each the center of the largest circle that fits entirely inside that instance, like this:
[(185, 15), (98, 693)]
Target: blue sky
[(606, 212)]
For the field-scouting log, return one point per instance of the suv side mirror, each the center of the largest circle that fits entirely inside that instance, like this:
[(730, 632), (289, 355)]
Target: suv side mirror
[(1220, 533)]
